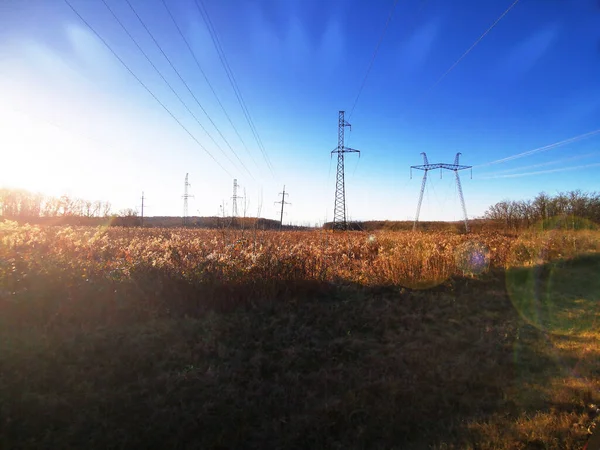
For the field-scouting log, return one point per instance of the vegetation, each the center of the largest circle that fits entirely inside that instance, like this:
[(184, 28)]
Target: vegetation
[(574, 210), (19, 203), (161, 338), (26, 207)]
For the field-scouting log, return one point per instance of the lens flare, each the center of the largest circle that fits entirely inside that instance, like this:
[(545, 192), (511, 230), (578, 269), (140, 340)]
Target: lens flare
[(555, 286), (472, 258)]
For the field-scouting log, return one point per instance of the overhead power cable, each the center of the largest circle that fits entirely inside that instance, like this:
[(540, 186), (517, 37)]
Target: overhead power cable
[(145, 87), (369, 67), (164, 79), (464, 55), (542, 149), (474, 45), (189, 47), (223, 58), (187, 87)]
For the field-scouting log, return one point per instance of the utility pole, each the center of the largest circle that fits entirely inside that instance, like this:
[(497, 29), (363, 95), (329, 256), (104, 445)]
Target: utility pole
[(426, 167), (186, 196), (235, 199), (142, 221), (283, 202), (339, 210)]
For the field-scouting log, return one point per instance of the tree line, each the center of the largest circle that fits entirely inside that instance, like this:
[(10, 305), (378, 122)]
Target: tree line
[(19, 203), (574, 209), (24, 206)]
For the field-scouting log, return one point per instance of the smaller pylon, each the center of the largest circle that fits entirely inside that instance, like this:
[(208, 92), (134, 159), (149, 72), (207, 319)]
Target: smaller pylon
[(186, 196), (142, 218), (283, 202), (235, 197)]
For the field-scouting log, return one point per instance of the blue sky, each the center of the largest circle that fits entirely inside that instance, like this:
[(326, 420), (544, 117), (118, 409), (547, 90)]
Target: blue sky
[(75, 121)]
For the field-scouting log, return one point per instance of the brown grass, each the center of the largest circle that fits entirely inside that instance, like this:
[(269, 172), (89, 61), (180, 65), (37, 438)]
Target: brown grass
[(160, 338)]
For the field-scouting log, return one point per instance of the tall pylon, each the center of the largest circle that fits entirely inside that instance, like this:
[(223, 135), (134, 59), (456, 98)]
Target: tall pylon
[(339, 209), (426, 167), (186, 196), (283, 202), (235, 197)]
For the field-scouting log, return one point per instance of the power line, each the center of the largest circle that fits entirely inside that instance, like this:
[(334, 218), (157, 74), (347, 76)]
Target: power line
[(164, 79), (362, 85), (187, 87), (542, 149), (207, 80), (145, 87), (223, 58), (453, 66), (474, 44)]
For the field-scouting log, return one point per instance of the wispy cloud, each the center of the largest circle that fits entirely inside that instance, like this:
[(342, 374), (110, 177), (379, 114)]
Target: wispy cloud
[(296, 46), (264, 40), (541, 172), (529, 51), (545, 148), (414, 53), (545, 164), (583, 104), (331, 45), (297, 42)]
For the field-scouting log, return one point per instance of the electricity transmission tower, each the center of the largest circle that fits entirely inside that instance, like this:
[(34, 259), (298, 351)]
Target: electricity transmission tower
[(235, 198), (186, 196), (426, 167), (142, 218), (283, 202), (339, 210)]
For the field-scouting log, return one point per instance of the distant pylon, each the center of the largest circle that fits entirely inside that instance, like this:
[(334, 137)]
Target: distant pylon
[(283, 202), (143, 198), (186, 196), (426, 167), (235, 197), (339, 209)]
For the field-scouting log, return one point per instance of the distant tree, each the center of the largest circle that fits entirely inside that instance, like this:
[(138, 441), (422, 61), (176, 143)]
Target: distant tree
[(96, 208), (128, 212), (106, 208)]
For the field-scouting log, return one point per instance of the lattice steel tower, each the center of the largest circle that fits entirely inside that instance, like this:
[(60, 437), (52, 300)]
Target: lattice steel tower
[(426, 167), (339, 210), (186, 196), (234, 210)]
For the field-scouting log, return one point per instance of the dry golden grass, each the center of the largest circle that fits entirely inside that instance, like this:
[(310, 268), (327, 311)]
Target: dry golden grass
[(154, 338)]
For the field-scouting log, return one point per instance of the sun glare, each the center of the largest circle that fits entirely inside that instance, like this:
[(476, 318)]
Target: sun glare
[(38, 155)]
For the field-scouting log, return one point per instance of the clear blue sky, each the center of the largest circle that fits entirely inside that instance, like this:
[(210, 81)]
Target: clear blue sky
[(73, 120)]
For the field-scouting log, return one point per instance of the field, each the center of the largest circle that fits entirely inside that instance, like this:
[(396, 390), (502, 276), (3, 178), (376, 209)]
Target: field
[(186, 338)]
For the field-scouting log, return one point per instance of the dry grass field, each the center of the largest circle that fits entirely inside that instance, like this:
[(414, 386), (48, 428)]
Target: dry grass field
[(184, 338)]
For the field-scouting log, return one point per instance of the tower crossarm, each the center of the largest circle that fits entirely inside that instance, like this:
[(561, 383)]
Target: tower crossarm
[(345, 150), (440, 166)]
